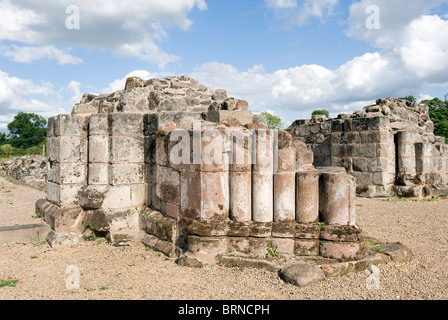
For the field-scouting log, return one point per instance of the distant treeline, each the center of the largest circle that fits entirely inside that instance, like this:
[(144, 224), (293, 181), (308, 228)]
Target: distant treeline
[(27, 136)]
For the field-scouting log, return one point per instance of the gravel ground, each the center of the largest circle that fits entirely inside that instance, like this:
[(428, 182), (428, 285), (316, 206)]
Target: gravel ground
[(131, 273)]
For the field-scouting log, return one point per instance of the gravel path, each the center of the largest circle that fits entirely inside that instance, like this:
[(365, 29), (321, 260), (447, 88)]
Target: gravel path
[(122, 273)]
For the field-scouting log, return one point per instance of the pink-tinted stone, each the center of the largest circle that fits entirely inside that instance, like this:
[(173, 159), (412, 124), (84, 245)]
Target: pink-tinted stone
[(341, 250), (307, 201), (284, 196)]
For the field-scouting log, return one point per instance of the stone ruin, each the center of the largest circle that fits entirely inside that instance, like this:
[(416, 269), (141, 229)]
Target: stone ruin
[(111, 168), (389, 148), (29, 170)]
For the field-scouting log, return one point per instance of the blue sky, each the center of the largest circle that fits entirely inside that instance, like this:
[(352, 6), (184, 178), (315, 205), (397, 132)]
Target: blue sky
[(286, 56)]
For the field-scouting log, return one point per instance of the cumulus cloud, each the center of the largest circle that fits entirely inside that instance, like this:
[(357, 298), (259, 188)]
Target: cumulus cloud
[(21, 95), (31, 54), (126, 28)]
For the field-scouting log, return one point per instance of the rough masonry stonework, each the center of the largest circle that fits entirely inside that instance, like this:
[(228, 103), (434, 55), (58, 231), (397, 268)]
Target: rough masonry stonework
[(129, 166), (389, 148)]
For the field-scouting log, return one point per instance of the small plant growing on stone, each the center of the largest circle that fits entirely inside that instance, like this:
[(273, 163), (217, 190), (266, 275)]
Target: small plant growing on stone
[(38, 216), (378, 250), (367, 242), (320, 225), (91, 236), (272, 253)]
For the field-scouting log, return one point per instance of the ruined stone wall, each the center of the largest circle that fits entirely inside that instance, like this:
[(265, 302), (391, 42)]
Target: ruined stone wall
[(30, 170), (145, 175), (390, 148)]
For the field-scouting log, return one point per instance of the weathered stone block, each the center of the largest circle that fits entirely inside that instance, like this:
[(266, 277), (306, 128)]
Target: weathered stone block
[(168, 185), (99, 149), (341, 233), (208, 245), (99, 125), (258, 247), (205, 228), (283, 246), (154, 223), (307, 231), (126, 124), (127, 149), (238, 245), (284, 229), (305, 247), (71, 173), (260, 229), (66, 125), (120, 174), (341, 250), (69, 149), (239, 229), (205, 196), (98, 174)]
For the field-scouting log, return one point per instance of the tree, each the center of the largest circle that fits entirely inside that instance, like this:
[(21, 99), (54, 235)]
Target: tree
[(274, 122), (438, 112), (409, 98), (321, 113), (6, 150), (2, 138), (27, 130)]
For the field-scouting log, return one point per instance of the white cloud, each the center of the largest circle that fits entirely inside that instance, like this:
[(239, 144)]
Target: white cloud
[(131, 28), (21, 95), (395, 17), (31, 54), (282, 4), (425, 49), (74, 89), (294, 14), (119, 84)]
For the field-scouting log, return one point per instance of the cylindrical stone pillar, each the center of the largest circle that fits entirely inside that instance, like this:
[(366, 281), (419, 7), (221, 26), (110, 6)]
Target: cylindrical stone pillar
[(307, 198), (284, 186), (240, 175), (263, 177), (240, 196), (335, 198)]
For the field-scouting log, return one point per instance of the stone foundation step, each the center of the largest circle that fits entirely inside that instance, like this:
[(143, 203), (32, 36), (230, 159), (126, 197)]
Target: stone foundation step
[(24, 233)]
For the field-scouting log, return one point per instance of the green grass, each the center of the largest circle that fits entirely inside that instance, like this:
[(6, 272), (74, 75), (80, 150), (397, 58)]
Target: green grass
[(9, 283)]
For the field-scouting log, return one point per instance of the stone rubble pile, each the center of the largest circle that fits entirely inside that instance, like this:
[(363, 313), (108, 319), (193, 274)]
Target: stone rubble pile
[(30, 170)]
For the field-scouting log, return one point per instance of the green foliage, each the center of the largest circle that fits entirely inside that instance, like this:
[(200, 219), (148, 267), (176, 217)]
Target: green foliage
[(6, 150), (409, 98), (274, 122), (321, 113), (272, 253), (438, 112), (27, 130), (320, 225), (9, 283), (3, 138)]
